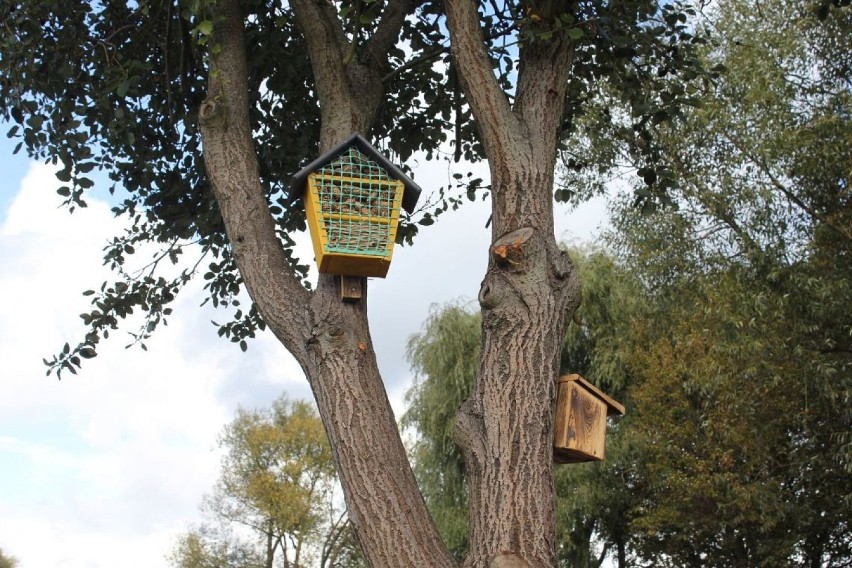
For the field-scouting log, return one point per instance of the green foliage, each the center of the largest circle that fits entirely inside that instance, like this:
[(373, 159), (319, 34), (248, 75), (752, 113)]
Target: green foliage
[(278, 480), (735, 432), (611, 303), (628, 85), (766, 177), (7, 561), (594, 499), (445, 356), (742, 370), (114, 88)]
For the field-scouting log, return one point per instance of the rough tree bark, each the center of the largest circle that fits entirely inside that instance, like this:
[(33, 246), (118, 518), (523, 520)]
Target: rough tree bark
[(329, 339), (505, 429)]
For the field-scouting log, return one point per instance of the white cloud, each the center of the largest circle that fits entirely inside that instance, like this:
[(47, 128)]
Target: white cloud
[(109, 465), (104, 469)]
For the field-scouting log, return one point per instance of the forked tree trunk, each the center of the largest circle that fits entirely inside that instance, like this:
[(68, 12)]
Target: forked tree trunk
[(530, 289), (506, 428)]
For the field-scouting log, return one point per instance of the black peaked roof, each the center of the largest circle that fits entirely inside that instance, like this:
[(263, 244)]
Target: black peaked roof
[(410, 194)]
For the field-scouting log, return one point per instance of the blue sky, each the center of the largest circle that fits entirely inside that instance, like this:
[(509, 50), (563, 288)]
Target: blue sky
[(12, 166), (109, 466)]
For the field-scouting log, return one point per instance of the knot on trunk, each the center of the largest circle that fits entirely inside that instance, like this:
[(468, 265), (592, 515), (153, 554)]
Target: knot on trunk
[(212, 113), (469, 435), (562, 266), (489, 296)]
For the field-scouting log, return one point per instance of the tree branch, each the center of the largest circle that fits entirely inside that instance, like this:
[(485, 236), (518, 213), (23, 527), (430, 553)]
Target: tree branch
[(502, 131), (387, 32), (426, 57), (231, 163), (545, 67), (326, 45)]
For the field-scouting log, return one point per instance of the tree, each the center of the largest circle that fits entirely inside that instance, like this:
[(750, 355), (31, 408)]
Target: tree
[(444, 357), (199, 548), (749, 305), (278, 481), (116, 87), (7, 561), (591, 499), (738, 464)]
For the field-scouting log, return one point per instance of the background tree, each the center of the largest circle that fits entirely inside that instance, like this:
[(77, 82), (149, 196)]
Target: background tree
[(444, 357), (591, 499), (204, 548), (277, 481), (116, 86), (7, 561), (738, 464), (747, 304), (595, 500)]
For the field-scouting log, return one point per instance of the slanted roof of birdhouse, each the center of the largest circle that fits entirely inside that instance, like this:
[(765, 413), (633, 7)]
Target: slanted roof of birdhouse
[(410, 194), (613, 407)]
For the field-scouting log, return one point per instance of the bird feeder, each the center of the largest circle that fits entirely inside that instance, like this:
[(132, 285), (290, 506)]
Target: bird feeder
[(579, 431), (353, 196)]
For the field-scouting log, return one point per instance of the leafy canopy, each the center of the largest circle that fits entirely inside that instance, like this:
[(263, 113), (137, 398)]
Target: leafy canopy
[(114, 87)]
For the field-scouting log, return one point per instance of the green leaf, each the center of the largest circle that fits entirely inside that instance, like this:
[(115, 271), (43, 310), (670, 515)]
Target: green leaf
[(575, 34), (85, 183), (35, 122), (205, 27)]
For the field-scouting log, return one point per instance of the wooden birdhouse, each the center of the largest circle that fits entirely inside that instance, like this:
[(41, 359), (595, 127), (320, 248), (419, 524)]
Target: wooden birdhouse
[(579, 430), (353, 197)]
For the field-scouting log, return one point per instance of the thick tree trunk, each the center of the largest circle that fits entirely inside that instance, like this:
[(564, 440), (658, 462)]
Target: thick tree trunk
[(385, 506), (329, 338), (506, 428)]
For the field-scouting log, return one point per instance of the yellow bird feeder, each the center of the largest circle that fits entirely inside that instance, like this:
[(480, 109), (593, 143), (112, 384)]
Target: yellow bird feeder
[(353, 196)]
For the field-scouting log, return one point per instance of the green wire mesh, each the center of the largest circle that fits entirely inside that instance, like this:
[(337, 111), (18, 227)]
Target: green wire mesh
[(356, 199)]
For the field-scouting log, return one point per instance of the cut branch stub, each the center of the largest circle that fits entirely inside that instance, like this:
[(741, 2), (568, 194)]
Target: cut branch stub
[(508, 250)]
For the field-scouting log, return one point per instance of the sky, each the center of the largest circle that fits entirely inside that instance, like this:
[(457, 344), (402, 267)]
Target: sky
[(106, 468)]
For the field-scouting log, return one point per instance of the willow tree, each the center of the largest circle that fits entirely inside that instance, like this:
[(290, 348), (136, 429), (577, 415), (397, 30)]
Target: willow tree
[(201, 110)]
